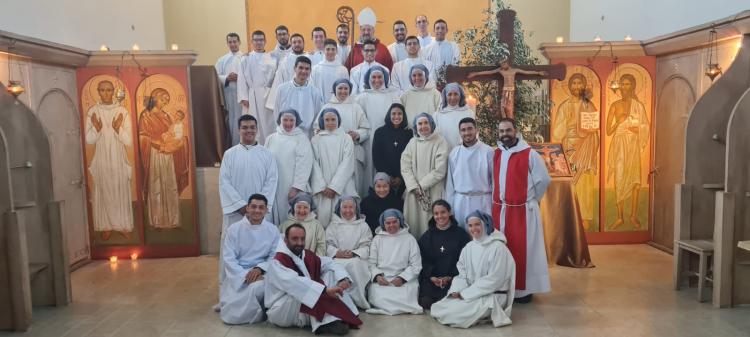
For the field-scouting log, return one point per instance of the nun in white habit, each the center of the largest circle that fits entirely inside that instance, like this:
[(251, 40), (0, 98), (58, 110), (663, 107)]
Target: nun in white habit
[(375, 101), (294, 157), (333, 165), (395, 263), (348, 240), (485, 284)]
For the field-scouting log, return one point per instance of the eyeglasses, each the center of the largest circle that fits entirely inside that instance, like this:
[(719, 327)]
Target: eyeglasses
[(369, 50)]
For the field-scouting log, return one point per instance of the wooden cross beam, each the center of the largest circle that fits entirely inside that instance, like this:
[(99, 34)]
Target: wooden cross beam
[(505, 30)]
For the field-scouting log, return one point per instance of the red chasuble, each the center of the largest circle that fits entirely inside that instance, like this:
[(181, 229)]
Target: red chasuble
[(382, 56), (326, 304), (516, 188)]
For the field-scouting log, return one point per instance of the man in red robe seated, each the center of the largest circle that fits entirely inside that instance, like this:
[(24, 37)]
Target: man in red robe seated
[(366, 22), (303, 289)]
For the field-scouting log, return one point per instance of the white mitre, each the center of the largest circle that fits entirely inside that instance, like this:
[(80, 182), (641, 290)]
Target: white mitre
[(367, 17)]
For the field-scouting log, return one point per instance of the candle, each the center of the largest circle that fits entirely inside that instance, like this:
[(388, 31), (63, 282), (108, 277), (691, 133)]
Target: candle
[(134, 256), (104, 48), (597, 38), (113, 259), (136, 46), (471, 101), (559, 39), (175, 47), (628, 37)]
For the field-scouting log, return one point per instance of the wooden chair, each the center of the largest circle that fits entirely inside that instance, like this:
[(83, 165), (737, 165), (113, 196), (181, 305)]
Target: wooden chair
[(705, 251)]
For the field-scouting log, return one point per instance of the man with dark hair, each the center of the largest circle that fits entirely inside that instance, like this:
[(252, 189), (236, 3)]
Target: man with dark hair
[(520, 180), (304, 289), (369, 51), (318, 38), (468, 186), (254, 82), (400, 78), (282, 43), (366, 22), (325, 73), (249, 245), (442, 52), (398, 48), (228, 68), (342, 37), (246, 169), (299, 94), (285, 69)]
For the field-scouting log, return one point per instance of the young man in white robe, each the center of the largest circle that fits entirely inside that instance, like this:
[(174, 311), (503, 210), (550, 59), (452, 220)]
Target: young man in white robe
[(484, 286), (317, 55), (228, 69), (285, 69), (423, 32), (398, 47), (342, 38), (442, 52), (291, 148), (299, 94), (348, 240), (306, 290), (369, 52), (328, 71), (454, 109), (253, 83), (355, 124), (520, 180), (246, 169), (283, 47), (395, 263), (375, 101), (250, 244), (400, 78), (468, 186)]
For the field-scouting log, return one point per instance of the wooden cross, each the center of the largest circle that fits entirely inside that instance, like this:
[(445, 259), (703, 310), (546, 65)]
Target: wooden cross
[(505, 30)]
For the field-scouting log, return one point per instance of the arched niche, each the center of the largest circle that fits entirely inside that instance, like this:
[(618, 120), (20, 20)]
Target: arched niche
[(675, 99)]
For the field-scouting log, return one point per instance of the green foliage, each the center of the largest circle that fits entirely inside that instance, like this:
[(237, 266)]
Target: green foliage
[(481, 48)]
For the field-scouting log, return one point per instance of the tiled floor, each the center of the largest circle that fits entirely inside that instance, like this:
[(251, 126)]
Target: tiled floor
[(629, 293)]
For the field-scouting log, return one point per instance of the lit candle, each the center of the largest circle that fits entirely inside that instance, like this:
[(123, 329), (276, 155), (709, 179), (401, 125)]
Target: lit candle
[(136, 46), (113, 259), (559, 39), (471, 101), (104, 48), (134, 256), (628, 38), (175, 47), (598, 38)]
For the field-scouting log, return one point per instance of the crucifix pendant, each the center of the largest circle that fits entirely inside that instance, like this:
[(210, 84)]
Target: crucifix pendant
[(442, 249), (395, 144)]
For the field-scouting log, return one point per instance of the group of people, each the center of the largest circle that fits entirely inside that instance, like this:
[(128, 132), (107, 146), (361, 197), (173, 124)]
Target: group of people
[(466, 256), (386, 199)]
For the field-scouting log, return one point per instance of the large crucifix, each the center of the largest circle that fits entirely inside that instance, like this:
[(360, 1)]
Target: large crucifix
[(508, 72)]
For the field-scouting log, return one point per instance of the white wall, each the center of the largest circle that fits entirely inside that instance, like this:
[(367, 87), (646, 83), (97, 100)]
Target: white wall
[(87, 24), (644, 19)]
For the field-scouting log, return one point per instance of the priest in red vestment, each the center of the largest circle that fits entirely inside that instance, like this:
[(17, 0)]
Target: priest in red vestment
[(366, 22), (520, 179), (303, 289)]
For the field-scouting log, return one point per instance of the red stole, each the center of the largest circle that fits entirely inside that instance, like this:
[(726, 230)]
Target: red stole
[(516, 188), (326, 304)]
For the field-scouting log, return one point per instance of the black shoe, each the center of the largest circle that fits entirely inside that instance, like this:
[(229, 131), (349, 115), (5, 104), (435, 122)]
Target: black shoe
[(523, 300), (334, 328)]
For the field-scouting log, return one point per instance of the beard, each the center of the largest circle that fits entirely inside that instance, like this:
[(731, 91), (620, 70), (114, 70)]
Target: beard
[(507, 140), (297, 250)]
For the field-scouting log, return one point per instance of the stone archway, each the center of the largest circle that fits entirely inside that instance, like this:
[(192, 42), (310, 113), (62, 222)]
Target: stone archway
[(60, 118)]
